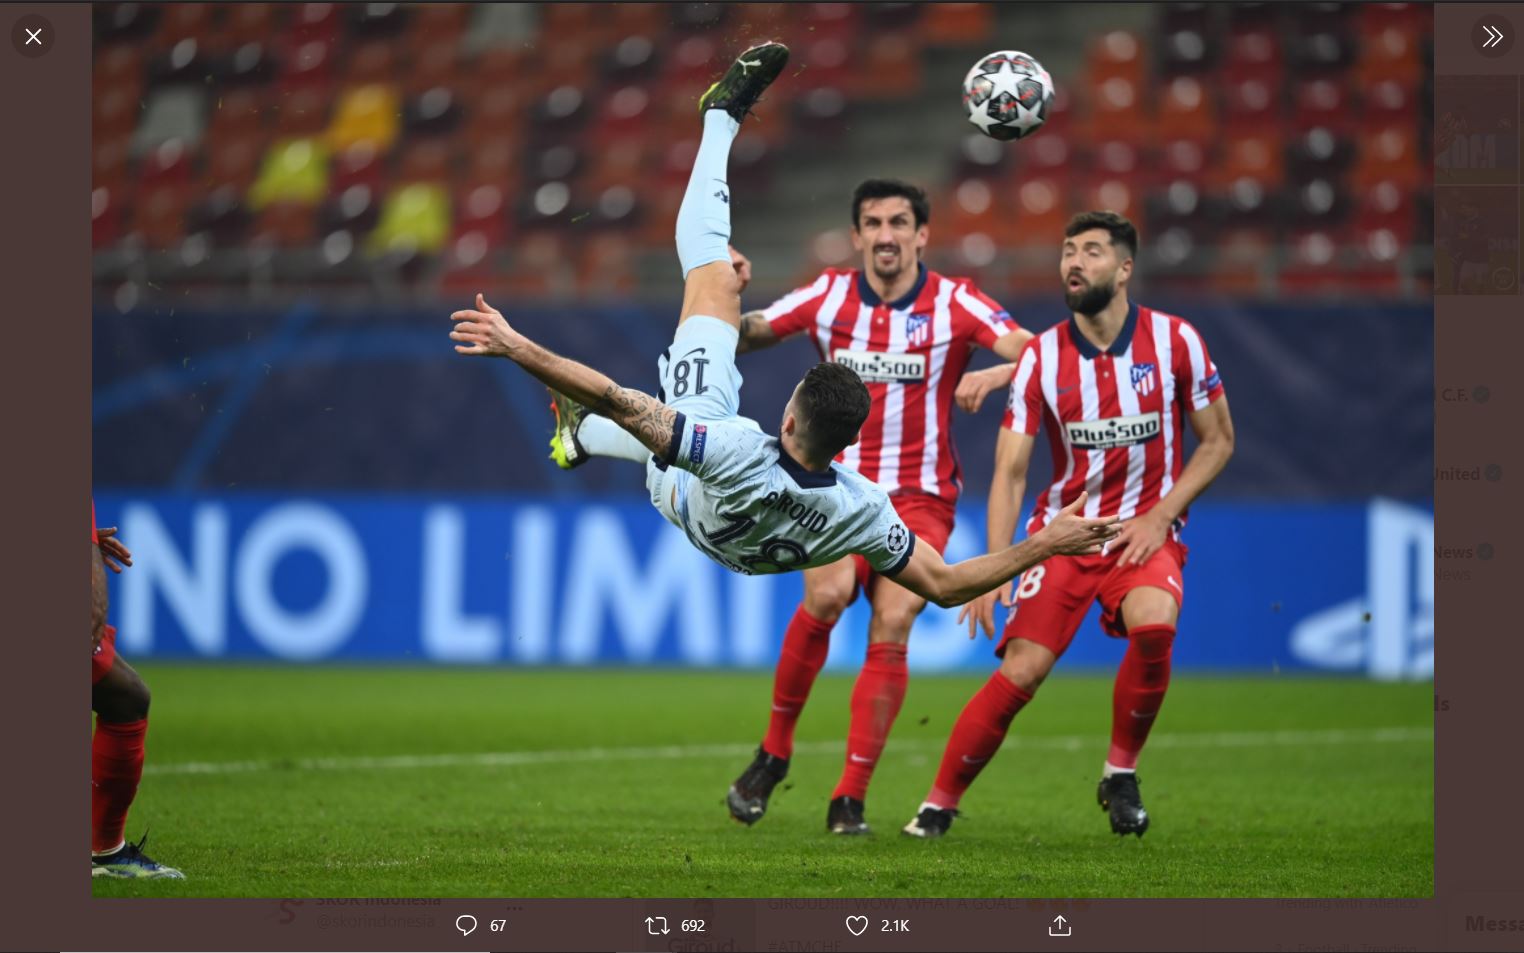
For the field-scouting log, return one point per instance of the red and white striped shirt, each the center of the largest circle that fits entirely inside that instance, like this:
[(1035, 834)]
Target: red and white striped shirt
[(1115, 417), (910, 354)]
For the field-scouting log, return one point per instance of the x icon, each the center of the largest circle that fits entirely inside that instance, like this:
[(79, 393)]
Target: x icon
[(33, 36)]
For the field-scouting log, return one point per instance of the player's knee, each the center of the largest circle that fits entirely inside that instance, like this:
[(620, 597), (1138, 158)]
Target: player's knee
[(827, 599), (894, 622), (1024, 670)]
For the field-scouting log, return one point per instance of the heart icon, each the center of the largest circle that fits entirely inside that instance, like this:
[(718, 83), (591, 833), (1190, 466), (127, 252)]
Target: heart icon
[(857, 925)]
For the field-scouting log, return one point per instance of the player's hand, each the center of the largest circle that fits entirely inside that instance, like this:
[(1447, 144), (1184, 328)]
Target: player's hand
[(981, 611), (742, 265), (1141, 537), (974, 386), (484, 331), (1070, 534), (113, 553)]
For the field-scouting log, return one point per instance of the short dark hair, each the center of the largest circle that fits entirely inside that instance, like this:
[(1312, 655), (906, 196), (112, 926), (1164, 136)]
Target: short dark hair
[(832, 405), (870, 189), (1124, 234)]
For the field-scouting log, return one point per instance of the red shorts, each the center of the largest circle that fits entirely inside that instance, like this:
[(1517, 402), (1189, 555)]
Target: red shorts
[(105, 654), (1053, 596), (929, 517)]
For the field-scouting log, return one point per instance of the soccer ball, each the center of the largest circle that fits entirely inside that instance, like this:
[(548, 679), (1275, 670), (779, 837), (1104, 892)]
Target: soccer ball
[(1007, 95)]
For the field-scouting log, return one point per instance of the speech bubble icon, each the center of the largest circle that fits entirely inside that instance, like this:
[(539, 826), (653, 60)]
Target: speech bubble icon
[(465, 923)]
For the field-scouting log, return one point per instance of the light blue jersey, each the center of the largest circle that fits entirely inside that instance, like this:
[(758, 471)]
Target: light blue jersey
[(735, 492)]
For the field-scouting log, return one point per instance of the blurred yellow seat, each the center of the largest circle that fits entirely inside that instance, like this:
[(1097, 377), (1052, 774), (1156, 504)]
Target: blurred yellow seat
[(294, 170), (369, 113), (416, 217)]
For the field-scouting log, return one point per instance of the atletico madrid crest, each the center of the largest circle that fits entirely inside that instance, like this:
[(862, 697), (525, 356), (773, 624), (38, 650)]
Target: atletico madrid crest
[(917, 329), (1143, 379)]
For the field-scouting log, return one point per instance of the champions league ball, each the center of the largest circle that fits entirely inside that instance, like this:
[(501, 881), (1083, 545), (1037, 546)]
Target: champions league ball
[(1007, 95)]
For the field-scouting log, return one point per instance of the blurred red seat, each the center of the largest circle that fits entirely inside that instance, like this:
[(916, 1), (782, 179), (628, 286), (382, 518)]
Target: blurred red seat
[(954, 24), (159, 216), (1321, 102), (1185, 111), (285, 225), (1117, 54), (891, 68)]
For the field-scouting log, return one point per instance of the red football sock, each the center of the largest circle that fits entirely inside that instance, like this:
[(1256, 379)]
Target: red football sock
[(975, 738), (116, 765), (876, 701), (806, 642), (1141, 683)]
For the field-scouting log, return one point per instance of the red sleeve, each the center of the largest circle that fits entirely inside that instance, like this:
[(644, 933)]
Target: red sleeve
[(795, 311), (983, 318), (1196, 379), (1023, 410)]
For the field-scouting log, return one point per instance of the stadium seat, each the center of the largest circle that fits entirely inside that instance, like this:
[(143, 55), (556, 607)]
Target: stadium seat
[(285, 225), (383, 20), (1321, 102), (1385, 205), (1184, 51), (159, 216), (1251, 104), (1117, 54), (188, 61), (294, 171), (113, 112), (180, 21), (366, 114), (1389, 153), (1040, 207), (124, 21), (108, 162), (415, 218), (482, 207), (359, 163), (1253, 52), (302, 112), (233, 162), (372, 62), (354, 209), (890, 69), (1117, 113), (632, 60), (1185, 111), (426, 160), (105, 217), (167, 163), (606, 266), (313, 21), (249, 22), (1184, 159), (956, 24), (309, 63), (539, 268), (1257, 156)]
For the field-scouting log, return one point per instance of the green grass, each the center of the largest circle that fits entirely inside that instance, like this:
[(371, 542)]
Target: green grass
[(1273, 787)]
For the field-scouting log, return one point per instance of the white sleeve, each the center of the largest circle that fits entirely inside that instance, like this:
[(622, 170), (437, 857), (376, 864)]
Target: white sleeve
[(716, 451), (886, 542)]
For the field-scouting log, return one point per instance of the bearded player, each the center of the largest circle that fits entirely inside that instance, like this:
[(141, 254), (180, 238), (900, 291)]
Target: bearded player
[(120, 702), (1112, 386)]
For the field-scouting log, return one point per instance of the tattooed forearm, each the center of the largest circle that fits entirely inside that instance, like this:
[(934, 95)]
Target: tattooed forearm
[(756, 333), (643, 416)]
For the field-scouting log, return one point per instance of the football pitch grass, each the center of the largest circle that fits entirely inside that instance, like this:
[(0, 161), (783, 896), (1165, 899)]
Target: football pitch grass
[(355, 782)]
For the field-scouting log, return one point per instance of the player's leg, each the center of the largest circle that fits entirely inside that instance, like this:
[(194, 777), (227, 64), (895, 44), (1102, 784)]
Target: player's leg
[(1052, 598), (1141, 604), (711, 287), (120, 700), (880, 689), (828, 590), (877, 697)]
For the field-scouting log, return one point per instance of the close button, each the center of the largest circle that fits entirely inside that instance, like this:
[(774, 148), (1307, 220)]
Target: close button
[(32, 35)]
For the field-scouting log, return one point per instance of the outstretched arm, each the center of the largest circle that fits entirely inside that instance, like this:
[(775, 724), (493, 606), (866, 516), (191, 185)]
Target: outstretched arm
[(1068, 534), (484, 332)]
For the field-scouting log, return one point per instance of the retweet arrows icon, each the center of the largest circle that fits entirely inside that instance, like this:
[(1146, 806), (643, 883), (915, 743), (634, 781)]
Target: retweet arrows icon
[(1494, 36)]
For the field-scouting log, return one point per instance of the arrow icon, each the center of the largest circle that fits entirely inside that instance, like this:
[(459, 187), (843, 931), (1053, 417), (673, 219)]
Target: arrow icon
[(1494, 36)]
